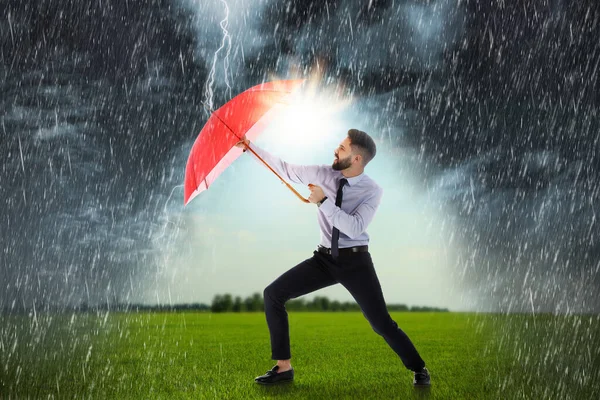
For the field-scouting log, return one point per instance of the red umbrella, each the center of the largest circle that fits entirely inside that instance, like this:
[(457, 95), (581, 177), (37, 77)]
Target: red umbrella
[(214, 148)]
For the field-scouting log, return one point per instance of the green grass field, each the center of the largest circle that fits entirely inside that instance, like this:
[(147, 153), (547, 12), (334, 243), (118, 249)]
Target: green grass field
[(335, 355)]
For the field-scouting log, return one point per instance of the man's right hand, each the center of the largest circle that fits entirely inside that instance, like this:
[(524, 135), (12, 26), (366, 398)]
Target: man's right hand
[(242, 143)]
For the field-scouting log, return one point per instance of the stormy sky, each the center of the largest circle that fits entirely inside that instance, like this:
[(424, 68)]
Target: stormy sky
[(485, 114)]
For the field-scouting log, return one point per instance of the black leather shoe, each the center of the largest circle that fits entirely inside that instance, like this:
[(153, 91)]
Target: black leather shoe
[(422, 378), (272, 377)]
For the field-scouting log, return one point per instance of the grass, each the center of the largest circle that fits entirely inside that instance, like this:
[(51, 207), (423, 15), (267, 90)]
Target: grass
[(335, 355)]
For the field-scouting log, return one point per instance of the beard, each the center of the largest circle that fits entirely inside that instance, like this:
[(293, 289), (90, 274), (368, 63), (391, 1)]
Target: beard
[(342, 164)]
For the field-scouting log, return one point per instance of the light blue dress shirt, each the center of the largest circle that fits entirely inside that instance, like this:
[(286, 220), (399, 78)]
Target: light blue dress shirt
[(360, 200)]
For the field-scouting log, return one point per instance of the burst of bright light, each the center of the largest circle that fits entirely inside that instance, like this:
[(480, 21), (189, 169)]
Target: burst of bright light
[(310, 117)]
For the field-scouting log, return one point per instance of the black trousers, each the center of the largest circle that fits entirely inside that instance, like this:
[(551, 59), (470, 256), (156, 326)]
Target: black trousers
[(356, 273)]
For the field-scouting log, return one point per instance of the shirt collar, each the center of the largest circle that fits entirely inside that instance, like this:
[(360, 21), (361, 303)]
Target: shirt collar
[(354, 180)]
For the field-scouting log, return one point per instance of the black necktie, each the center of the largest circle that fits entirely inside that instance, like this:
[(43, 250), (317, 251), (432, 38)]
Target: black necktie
[(335, 233)]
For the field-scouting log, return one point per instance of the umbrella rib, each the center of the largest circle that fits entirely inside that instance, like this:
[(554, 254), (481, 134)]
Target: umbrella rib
[(223, 122)]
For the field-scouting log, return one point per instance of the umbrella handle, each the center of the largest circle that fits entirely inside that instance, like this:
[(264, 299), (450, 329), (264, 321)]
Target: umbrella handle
[(282, 180)]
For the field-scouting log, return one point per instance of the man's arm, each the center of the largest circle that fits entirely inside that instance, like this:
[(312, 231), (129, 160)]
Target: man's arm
[(352, 225), (303, 174)]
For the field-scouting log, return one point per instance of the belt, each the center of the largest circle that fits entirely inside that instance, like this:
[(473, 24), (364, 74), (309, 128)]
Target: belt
[(346, 250)]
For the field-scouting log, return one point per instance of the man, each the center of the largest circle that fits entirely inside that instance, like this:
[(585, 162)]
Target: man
[(347, 200)]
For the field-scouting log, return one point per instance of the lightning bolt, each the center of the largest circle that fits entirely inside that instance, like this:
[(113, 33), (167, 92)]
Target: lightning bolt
[(170, 230), (225, 44), (166, 212)]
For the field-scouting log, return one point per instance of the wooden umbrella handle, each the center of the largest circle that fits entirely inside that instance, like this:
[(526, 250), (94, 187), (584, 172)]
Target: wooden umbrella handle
[(282, 180)]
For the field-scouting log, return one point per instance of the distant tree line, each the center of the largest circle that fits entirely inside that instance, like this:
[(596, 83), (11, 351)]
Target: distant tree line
[(228, 303), (220, 303)]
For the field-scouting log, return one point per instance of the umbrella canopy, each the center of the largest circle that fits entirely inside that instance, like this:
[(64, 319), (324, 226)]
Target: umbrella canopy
[(214, 148)]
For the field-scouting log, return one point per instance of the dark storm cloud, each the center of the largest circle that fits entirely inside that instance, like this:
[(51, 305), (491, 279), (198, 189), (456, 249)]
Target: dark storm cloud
[(525, 140), (375, 46), (97, 99)]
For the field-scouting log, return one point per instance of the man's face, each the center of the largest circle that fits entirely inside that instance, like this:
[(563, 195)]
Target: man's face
[(343, 156)]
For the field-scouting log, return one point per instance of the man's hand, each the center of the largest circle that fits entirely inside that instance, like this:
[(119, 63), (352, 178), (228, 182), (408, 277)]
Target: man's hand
[(242, 143), (316, 193)]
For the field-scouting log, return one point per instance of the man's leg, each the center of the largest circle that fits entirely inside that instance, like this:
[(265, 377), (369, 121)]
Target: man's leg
[(359, 278), (306, 277)]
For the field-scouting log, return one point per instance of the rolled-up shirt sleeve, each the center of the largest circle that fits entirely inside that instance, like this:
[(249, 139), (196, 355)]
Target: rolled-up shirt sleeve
[(303, 174), (352, 225)]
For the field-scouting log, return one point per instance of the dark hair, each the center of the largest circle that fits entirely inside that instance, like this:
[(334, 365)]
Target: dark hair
[(363, 143)]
